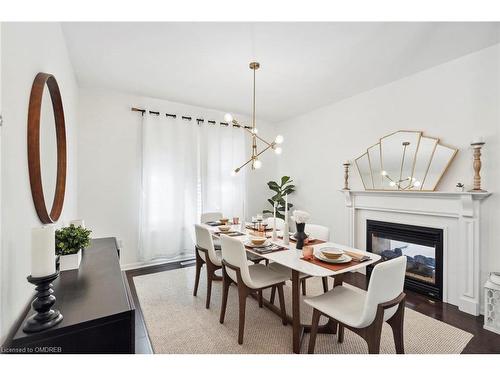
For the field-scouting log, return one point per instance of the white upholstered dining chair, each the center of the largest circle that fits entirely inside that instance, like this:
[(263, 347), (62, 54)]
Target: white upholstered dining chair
[(318, 232), (208, 255), (248, 278), (280, 223), (365, 312), (210, 216)]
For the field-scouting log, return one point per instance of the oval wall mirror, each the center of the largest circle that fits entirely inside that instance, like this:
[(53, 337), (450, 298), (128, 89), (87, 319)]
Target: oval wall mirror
[(47, 148)]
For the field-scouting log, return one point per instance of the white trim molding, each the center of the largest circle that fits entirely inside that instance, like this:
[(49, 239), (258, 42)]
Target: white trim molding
[(457, 213)]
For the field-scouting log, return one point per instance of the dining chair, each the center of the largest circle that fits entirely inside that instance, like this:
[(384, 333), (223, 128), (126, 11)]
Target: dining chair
[(318, 232), (208, 255), (210, 216), (250, 279), (280, 223), (365, 312)]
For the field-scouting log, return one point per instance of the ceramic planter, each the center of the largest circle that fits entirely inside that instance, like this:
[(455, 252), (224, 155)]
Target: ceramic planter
[(70, 262)]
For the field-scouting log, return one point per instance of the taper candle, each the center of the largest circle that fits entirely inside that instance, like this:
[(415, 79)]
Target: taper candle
[(286, 207), (43, 247)]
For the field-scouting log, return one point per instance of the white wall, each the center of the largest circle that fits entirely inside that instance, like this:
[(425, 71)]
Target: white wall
[(28, 48), (455, 101), (109, 163)]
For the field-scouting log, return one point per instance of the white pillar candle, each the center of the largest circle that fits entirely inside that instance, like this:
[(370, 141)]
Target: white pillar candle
[(77, 223), (43, 247)]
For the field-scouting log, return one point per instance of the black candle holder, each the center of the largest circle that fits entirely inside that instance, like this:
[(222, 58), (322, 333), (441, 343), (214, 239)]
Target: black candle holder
[(45, 316)]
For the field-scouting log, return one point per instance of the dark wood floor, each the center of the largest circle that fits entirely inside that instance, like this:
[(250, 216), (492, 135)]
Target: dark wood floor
[(484, 342)]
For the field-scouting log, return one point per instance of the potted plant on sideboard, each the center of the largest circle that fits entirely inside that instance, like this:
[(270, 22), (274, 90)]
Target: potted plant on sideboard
[(70, 242)]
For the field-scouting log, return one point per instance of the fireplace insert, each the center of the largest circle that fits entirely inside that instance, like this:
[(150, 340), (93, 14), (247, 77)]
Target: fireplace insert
[(422, 246)]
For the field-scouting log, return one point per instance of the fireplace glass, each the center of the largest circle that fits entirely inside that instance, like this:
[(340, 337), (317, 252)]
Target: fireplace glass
[(422, 246), (421, 260)]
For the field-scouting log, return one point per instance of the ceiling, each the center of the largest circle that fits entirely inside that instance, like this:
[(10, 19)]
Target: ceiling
[(303, 65)]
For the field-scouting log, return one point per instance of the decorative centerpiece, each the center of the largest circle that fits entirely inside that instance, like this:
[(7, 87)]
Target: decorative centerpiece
[(70, 242), (300, 218)]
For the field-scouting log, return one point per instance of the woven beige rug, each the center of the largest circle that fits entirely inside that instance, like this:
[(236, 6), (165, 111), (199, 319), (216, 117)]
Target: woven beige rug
[(178, 323)]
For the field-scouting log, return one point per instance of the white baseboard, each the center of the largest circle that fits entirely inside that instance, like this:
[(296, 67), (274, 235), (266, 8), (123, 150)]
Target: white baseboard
[(132, 266)]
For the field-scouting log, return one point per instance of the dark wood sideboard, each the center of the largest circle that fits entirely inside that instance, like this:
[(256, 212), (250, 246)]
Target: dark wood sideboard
[(98, 310)]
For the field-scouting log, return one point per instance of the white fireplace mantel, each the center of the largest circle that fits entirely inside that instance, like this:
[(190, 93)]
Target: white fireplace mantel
[(457, 213)]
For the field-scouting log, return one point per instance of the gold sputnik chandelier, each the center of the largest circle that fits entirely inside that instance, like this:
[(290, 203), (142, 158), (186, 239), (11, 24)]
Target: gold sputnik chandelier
[(254, 160)]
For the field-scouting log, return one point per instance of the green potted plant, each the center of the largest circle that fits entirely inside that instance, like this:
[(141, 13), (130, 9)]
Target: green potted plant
[(281, 189), (70, 242)]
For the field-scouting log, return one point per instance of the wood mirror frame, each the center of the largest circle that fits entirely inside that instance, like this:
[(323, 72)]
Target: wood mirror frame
[(34, 162)]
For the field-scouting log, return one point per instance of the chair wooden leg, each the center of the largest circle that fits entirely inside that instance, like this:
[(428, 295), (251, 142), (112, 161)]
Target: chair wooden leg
[(209, 288), (397, 322), (281, 296), (259, 295), (225, 291), (325, 284), (242, 296), (303, 283), (273, 295), (199, 264), (372, 338), (341, 331), (314, 331)]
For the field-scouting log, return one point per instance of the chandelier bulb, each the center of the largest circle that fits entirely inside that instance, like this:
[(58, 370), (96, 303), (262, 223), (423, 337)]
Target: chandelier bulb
[(278, 150), (279, 139), (228, 117), (257, 164), (255, 131), (384, 173)]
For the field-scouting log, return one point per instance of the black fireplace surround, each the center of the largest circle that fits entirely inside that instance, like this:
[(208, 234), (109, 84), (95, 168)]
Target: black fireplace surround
[(423, 248)]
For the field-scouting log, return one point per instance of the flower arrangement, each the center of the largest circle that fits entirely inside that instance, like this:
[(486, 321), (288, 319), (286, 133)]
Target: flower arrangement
[(69, 240), (300, 217)]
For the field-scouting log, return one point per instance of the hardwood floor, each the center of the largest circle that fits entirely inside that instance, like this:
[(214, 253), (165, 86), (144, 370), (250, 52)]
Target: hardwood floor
[(483, 342)]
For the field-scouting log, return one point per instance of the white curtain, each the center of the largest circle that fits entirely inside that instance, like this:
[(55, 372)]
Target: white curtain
[(186, 170)]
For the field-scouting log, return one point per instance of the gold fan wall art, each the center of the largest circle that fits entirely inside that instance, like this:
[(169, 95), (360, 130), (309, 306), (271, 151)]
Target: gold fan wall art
[(404, 160)]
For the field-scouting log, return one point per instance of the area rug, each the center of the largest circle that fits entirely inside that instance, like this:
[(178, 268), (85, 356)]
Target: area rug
[(179, 323)]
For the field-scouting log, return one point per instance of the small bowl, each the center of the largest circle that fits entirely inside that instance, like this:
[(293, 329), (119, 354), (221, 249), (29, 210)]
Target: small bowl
[(224, 228), (258, 240), (332, 253), (224, 221)]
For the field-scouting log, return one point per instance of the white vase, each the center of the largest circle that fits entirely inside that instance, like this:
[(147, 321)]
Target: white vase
[(70, 262)]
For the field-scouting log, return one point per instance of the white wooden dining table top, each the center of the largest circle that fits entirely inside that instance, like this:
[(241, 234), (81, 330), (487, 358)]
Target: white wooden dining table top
[(291, 258)]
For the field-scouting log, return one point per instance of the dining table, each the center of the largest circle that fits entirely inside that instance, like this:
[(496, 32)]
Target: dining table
[(292, 258)]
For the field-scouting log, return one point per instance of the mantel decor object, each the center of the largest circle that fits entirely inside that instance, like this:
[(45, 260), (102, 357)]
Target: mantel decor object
[(346, 175), (45, 316), (477, 145)]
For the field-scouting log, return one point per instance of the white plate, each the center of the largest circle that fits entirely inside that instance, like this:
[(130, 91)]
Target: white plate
[(343, 259), (250, 244)]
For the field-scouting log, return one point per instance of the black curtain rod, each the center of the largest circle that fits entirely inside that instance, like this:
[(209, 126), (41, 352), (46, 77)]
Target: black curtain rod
[(188, 118)]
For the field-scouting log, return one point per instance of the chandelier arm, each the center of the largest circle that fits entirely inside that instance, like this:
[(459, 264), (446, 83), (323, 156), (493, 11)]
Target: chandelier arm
[(249, 160), (256, 136), (264, 150)]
